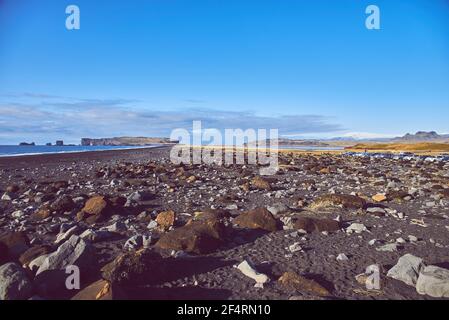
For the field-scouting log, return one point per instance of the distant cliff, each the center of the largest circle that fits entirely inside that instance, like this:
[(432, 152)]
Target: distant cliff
[(125, 141)]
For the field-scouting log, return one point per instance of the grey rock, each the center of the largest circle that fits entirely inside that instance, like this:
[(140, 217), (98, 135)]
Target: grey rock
[(74, 251), (390, 247), (277, 208), (138, 241), (407, 269), (14, 283), (433, 281)]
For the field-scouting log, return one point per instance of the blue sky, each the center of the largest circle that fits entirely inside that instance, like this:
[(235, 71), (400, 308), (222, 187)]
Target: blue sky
[(309, 68)]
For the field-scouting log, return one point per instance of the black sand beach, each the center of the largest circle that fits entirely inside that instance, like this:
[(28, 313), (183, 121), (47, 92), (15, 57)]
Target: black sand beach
[(193, 224)]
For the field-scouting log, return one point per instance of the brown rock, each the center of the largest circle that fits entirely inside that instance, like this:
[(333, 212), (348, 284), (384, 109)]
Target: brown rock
[(12, 188), (309, 224), (166, 219), (16, 242), (260, 183), (199, 237), (379, 197), (210, 214), (445, 193), (32, 253), (99, 290), (259, 218), (42, 213), (294, 281), (397, 195), (63, 204), (61, 184), (325, 170), (344, 200), (245, 187), (96, 205), (134, 267)]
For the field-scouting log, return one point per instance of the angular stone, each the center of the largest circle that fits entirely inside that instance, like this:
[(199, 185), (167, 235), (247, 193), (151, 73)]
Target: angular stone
[(346, 201), (63, 204), (309, 224), (433, 281), (296, 282), (42, 213), (166, 219), (16, 242), (259, 218), (14, 283), (379, 197), (200, 237), (32, 253), (132, 267), (75, 251), (407, 269), (137, 242), (96, 205), (99, 290), (260, 183)]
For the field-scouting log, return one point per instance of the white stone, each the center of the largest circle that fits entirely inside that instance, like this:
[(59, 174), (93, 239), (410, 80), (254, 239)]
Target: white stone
[(295, 247), (342, 257), (356, 227), (390, 247), (433, 281), (248, 271), (407, 269), (66, 235)]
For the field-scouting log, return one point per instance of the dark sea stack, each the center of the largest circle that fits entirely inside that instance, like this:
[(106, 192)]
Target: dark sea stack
[(125, 141), (26, 144)]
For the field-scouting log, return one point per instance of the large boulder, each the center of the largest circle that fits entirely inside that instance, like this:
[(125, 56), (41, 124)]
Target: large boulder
[(433, 281), (14, 283), (200, 237), (260, 183), (32, 253), (135, 267), (407, 269), (16, 242), (63, 204), (292, 280), (343, 200), (75, 251), (310, 224), (99, 290), (259, 218), (96, 209)]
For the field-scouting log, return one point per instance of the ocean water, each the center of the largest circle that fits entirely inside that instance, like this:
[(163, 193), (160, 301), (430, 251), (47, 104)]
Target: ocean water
[(6, 151)]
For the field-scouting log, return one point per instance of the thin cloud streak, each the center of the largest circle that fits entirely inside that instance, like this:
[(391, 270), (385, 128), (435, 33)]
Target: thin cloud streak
[(71, 120)]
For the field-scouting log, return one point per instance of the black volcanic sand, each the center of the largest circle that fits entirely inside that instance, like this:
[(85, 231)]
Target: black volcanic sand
[(301, 180)]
